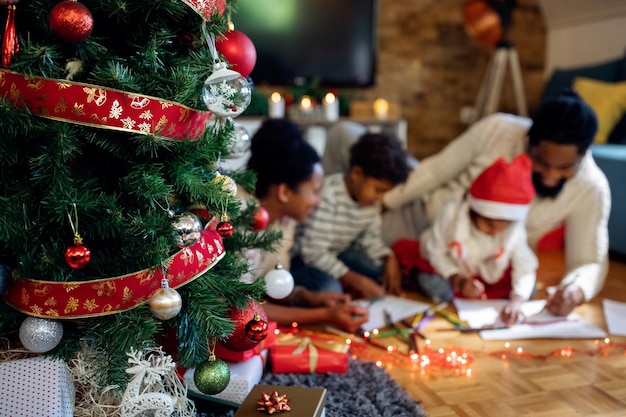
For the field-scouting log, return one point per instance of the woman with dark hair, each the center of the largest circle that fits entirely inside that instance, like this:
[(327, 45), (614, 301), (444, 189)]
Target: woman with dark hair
[(289, 179)]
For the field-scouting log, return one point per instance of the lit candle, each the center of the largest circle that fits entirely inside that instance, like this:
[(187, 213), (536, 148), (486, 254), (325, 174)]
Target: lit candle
[(331, 107), (276, 106), (381, 108), (306, 105)]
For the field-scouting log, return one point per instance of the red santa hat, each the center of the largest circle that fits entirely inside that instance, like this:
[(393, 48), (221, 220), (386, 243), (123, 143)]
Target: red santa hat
[(504, 191)]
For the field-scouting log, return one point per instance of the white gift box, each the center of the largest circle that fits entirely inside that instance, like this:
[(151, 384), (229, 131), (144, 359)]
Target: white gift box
[(243, 377), (36, 387)]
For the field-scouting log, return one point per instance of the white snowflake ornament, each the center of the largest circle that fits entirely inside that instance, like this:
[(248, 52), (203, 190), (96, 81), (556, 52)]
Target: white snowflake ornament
[(226, 93)]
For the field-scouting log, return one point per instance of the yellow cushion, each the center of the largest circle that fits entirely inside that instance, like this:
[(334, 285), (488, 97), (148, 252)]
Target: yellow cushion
[(607, 99)]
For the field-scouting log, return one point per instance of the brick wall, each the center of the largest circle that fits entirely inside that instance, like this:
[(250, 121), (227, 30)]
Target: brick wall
[(429, 65)]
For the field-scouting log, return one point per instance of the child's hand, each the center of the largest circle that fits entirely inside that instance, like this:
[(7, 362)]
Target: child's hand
[(512, 312), (349, 317), (364, 285), (392, 276), (472, 288)]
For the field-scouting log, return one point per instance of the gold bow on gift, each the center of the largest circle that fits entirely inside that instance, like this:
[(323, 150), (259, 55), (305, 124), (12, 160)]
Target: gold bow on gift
[(304, 343)]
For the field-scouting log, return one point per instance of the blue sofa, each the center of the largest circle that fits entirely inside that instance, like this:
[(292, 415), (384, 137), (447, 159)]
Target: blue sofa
[(610, 157)]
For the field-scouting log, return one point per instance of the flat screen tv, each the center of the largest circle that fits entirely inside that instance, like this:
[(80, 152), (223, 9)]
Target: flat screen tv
[(332, 42)]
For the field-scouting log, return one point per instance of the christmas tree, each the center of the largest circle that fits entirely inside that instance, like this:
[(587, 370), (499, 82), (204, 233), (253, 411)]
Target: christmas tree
[(107, 151)]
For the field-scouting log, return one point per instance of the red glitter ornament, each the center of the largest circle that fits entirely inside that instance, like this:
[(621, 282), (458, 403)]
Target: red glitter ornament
[(239, 341), (256, 329), (71, 21), (225, 229)]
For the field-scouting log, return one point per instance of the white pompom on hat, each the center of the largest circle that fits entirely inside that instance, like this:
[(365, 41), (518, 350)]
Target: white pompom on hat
[(504, 191)]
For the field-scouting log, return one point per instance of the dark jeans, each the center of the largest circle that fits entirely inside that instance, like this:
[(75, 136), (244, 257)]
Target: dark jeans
[(316, 280)]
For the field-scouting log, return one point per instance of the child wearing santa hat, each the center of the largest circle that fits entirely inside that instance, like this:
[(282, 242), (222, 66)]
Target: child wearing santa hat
[(478, 241)]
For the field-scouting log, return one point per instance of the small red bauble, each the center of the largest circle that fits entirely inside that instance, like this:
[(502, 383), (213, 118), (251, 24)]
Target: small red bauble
[(238, 50), (256, 329), (71, 21), (77, 256), (260, 219), (239, 341), (225, 229)]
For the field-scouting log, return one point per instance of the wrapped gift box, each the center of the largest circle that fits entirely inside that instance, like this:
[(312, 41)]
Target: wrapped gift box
[(36, 387), (232, 356), (308, 354), (304, 402), (243, 376)]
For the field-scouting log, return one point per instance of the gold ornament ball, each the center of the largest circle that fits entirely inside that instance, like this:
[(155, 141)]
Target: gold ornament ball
[(212, 377), (165, 303), (227, 183)]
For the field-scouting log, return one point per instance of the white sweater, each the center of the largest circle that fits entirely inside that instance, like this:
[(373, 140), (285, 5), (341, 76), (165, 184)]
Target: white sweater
[(337, 223), (454, 245), (583, 205)]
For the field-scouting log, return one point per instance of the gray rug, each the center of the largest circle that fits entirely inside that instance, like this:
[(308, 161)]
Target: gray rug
[(365, 390)]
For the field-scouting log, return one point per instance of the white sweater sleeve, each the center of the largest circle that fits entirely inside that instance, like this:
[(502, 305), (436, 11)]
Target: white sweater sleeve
[(524, 268), (438, 169), (587, 242)]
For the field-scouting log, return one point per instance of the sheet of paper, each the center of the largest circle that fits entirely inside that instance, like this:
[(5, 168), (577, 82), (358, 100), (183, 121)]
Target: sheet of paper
[(614, 313), (399, 308), (538, 324)]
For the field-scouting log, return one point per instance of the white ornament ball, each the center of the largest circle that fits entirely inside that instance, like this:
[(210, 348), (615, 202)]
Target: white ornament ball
[(278, 283), (40, 335), (165, 303), (225, 92)]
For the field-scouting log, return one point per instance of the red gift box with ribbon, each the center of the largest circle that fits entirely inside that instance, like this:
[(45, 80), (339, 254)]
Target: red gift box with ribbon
[(230, 355), (310, 353)]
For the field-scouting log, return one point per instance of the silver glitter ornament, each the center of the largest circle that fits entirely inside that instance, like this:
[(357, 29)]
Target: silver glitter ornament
[(188, 228), (40, 335)]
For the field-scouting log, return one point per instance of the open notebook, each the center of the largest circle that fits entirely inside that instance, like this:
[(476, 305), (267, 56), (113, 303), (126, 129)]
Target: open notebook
[(538, 324), (399, 308)]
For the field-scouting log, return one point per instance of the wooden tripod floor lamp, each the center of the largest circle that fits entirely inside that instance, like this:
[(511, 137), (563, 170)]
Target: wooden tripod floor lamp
[(487, 21)]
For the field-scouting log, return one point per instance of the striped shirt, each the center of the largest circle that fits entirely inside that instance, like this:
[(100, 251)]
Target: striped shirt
[(338, 223)]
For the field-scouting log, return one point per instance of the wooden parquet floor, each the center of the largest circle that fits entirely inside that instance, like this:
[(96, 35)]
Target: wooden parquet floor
[(544, 380)]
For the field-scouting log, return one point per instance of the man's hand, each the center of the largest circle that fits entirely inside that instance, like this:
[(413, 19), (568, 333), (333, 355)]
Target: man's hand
[(565, 299)]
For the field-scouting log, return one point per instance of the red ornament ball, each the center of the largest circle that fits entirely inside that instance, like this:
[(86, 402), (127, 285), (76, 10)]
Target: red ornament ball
[(239, 341), (238, 50), (260, 219), (77, 256), (256, 329), (71, 21), (225, 229)]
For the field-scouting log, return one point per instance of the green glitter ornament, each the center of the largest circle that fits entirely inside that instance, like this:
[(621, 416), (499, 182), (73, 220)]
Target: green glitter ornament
[(212, 377)]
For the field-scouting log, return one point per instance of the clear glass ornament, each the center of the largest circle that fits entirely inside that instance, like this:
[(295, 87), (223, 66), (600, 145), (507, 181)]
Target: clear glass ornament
[(226, 93), (240, 143)]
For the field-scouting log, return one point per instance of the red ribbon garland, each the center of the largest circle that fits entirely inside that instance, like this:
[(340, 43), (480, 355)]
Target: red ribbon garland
[(106, 108), (72, 300)]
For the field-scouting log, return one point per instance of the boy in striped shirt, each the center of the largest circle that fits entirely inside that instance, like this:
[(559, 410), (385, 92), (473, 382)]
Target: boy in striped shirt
[(340, 245)]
